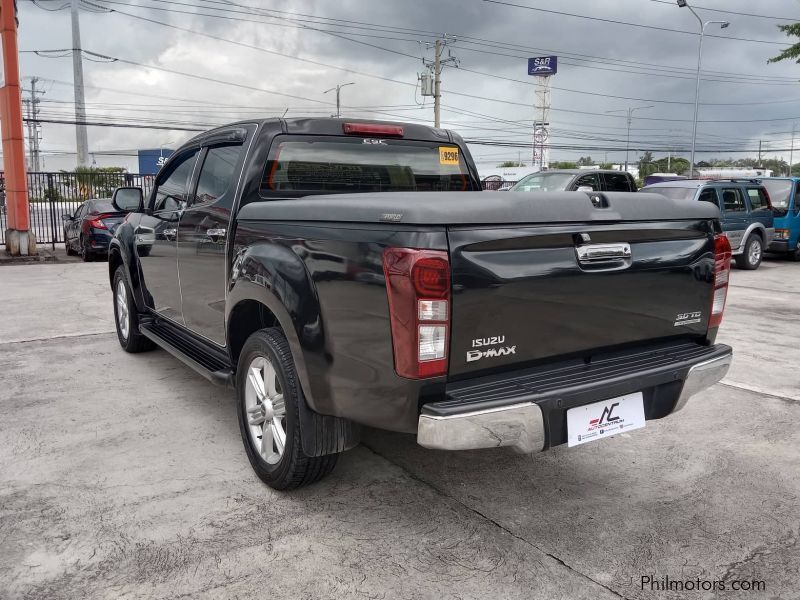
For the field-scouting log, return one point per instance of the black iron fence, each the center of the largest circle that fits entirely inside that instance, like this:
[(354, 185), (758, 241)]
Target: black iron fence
[(52, 195), (492, 185)]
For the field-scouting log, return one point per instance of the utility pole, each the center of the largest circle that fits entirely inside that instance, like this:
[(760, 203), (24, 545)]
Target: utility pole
[(759, 153), (20, 241), (81, 138), (436, 67), (34, 128), (791, 150), (629, 112), (338, 105)]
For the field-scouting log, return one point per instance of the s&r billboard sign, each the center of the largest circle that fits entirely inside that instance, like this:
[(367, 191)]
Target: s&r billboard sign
[(543, 65), (150, 161)]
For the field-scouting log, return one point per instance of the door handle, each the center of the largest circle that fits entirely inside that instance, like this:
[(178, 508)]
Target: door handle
[(216, 234), (603, 252)]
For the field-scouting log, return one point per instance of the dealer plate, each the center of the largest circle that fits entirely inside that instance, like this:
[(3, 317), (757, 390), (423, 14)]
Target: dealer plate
[(604, 419)]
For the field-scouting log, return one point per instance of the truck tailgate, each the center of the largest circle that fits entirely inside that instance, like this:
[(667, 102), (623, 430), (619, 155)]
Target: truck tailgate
[(524, 294)]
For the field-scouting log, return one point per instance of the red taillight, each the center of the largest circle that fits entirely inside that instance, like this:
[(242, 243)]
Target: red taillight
[(722, 270), (96, 223), (373, 129), (418, 287)]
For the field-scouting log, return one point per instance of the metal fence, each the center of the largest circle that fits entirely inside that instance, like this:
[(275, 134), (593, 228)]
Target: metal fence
[(52, 195), (491, 185)]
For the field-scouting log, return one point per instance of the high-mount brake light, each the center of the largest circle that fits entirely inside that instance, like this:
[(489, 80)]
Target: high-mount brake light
[(373, 129), (418, 289), (722, 270)]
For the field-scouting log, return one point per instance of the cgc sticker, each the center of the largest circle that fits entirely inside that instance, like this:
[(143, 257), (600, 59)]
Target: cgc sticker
[(448, 156)]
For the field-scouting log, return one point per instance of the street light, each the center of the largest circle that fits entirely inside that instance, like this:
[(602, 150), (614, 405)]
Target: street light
[(703, 25), (630, 118), (337, 88)]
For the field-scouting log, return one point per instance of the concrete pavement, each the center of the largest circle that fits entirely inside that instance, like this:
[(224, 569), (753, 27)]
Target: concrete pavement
[(124, 476)]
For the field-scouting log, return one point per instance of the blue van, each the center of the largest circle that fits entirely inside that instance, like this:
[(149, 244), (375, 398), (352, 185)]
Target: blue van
[(785, 195), (745, 212)]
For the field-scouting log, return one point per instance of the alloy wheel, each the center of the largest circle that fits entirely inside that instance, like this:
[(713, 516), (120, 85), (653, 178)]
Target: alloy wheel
[(123, 320), (266, 410), (755, 252)]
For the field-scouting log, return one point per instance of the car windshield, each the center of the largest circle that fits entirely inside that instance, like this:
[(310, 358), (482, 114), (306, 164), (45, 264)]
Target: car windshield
[(779, 191), (675, 193), (314, 164), (543, 182)]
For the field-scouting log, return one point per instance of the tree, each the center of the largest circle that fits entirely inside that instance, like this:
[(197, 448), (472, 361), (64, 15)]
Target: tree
[(563, 165), (97, 182), (647, 165), (607, 166), (585, 161), (509, 163), (793, 51)]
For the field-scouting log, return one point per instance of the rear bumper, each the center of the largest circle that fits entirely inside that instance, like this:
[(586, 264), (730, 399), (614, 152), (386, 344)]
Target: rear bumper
[(527, 410)]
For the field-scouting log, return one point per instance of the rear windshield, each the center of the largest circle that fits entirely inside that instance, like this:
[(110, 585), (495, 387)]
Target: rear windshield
[(543, 182), (102, 206), (674, 193), (779, 191), (325, 164)]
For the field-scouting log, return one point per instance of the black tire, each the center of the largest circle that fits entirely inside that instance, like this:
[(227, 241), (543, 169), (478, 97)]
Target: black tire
[(67, 247), (794, 254), (86, 250), (133, 341), (293, 469), (752, 255)]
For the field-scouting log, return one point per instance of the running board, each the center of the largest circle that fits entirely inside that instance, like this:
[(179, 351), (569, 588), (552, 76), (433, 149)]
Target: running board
[(211, 363)]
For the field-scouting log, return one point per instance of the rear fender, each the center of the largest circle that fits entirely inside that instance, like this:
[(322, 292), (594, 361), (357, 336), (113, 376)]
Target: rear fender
[(277, 278)]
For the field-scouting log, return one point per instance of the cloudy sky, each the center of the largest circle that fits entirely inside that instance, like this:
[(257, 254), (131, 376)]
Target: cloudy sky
[(224, 60)]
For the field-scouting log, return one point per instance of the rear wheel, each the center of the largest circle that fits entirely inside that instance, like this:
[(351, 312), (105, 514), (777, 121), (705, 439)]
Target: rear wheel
[(268, 397), (86, 250), (750, 258), (126, 317)]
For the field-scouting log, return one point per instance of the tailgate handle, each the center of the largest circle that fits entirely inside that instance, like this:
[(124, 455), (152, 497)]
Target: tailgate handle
[(603, 252)]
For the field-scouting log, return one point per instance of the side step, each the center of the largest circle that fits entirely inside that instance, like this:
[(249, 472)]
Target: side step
[(211, 363)]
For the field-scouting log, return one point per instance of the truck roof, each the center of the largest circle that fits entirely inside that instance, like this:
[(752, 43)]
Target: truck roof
[(332, 126)]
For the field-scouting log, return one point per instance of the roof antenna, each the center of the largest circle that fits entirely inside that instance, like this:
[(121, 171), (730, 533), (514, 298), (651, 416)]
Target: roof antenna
[(284, 112)]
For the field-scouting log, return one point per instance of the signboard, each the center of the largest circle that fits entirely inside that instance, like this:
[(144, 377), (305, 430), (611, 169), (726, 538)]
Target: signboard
[(150, 161), (543, 66)]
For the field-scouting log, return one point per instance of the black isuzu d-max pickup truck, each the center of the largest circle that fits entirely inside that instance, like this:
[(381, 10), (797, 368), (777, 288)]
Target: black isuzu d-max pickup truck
[(342, 273)]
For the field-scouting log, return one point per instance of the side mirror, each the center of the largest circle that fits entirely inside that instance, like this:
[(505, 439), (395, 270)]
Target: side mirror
[(585, 188), (67, 217), (127, 199)]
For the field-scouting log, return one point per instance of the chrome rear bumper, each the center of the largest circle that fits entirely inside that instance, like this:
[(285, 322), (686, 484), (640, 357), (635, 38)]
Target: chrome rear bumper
[(521, 425)]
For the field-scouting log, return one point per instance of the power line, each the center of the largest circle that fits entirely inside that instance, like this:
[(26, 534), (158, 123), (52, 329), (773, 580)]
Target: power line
[(731, 12), (629, 24)]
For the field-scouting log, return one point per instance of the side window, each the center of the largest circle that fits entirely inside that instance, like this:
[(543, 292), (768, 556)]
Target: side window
[(617, 182), (797, 199), (80, 211), (216, 176), (758, 198), (708, 195), (171, 190), (733, 200), (592, 180)]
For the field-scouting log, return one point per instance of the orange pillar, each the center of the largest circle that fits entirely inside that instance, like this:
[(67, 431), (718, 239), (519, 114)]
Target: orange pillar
[(18, 237)]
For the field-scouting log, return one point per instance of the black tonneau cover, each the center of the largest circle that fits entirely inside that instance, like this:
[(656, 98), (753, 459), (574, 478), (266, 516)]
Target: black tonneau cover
[(466, 208)]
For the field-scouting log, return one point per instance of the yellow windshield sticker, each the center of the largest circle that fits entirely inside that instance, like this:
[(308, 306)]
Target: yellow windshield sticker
[(448, 156)]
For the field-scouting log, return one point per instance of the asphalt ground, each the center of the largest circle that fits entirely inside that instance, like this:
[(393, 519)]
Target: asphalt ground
[(124, 476)]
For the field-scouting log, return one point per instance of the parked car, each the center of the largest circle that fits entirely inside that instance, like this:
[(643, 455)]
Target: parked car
[(784, 192), (90, 228), (572, 179), (745, 208), (472, 319)]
